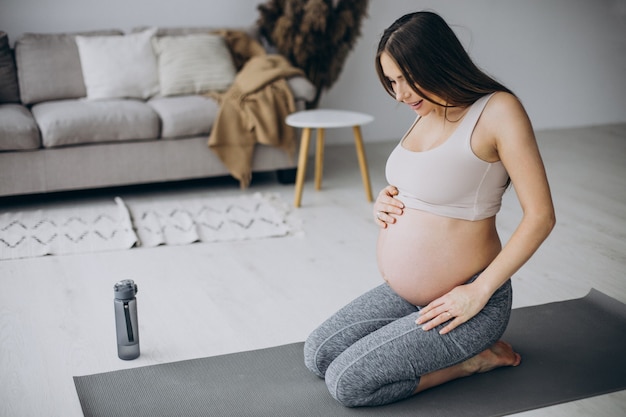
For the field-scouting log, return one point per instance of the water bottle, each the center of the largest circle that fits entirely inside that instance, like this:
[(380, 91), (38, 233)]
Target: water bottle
[(126, 319)]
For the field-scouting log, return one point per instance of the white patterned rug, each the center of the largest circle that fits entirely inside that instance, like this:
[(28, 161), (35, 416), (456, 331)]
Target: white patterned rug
[(121, 226)]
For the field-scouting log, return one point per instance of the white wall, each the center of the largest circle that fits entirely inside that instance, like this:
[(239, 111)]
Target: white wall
[(566, 59)]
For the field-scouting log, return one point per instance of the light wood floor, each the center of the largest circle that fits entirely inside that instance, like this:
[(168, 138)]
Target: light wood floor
[(56, 313)]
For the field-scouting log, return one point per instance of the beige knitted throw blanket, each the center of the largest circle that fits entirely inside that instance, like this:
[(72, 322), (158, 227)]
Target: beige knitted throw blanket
[(253, 110)]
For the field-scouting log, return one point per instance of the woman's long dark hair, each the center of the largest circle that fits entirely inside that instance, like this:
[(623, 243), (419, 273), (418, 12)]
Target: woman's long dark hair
[(430, 56)]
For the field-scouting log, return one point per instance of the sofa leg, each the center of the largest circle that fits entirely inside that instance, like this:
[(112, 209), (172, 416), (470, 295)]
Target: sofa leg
[(286, 176)]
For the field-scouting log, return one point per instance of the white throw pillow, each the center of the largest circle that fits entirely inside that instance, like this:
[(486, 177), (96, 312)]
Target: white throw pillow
[(119, 66), (193, 64)]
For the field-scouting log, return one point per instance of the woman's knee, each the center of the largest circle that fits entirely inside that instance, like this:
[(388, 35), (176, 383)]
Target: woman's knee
[(319, 351), (344, 387), (340, 380), (333, 337), (356, 383)]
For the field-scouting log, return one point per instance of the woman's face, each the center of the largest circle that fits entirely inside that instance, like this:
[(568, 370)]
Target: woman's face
[(403, 91)]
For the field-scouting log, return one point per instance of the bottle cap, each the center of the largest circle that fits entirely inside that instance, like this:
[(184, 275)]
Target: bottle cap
[(125, 289)]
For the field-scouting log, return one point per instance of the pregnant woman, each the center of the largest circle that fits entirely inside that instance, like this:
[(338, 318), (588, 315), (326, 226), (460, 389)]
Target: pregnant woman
[(446, 299)]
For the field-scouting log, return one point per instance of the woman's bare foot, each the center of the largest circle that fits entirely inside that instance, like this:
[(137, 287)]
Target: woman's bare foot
[(499, 355)]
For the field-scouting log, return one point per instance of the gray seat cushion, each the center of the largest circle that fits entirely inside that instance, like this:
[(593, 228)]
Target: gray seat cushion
[(72, 122), (18, 130), (183, 116)]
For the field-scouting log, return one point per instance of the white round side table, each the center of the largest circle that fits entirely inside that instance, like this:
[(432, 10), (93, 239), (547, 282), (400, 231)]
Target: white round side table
[(321, 119)]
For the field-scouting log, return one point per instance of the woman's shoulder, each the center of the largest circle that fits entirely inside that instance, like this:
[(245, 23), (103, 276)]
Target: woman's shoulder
[(503, 103), (503, 122), (504, 110)]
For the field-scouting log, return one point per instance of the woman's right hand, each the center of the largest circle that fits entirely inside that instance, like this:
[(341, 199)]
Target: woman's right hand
[(386, 207)]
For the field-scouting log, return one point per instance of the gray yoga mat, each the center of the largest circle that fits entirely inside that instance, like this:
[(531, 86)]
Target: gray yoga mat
[(570, 350)]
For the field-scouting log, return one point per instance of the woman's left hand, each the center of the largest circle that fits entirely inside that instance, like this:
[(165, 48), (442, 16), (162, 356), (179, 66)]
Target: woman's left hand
[(456, 307)]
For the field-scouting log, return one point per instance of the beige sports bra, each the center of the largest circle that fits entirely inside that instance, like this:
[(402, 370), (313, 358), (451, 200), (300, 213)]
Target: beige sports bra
[(449, 180)]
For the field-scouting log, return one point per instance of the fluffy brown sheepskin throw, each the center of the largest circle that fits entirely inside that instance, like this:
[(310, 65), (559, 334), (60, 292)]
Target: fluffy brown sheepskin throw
[(315, 35)]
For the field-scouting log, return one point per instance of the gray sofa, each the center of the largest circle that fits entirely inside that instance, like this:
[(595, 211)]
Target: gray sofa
[(54, 137)]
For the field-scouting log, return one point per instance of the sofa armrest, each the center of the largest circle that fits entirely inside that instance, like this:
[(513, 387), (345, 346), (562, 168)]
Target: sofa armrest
[(301, 88), (18, 129)]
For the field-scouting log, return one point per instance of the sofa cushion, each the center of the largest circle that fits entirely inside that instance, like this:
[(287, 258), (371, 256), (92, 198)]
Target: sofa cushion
[(9, 90), (48, 66), (72, 122), (119, 66), (193, 64), (18, 129), (184, 116)]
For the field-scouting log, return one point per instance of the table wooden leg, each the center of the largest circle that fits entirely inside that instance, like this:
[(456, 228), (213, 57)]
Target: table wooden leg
[(360, 152), (304, 151), (319, 158)]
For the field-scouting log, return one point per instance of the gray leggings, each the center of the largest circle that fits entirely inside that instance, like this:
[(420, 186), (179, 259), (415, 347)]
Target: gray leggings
[(371, 352)]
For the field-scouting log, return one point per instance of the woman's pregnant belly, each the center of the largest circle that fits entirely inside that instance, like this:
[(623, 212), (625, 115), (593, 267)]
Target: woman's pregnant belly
[(423, 256)]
